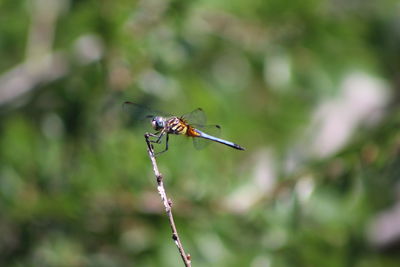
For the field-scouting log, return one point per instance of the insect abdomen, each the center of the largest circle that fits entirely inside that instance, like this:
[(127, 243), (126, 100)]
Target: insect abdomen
[(192, 132)]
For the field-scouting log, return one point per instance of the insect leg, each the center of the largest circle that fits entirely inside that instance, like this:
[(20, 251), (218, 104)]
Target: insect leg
[(166, 146), (158, 135)]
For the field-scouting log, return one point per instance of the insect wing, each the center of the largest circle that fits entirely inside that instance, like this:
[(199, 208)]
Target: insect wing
[(213, 130), (135, 113), (196, 117)]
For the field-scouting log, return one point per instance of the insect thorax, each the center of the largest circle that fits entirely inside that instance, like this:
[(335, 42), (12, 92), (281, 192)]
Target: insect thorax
[(176, 126)]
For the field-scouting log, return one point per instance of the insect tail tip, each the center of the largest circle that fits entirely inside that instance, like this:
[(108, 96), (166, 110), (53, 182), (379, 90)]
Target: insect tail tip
[(240, 148)]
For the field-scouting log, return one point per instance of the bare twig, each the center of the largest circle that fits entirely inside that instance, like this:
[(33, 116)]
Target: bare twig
[(167, 203)]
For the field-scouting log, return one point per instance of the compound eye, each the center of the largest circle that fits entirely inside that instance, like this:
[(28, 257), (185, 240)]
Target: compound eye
[(154, 124), (157, 123)]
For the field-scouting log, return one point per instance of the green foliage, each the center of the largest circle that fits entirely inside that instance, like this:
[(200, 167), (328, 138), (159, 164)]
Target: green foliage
[(76, 184)]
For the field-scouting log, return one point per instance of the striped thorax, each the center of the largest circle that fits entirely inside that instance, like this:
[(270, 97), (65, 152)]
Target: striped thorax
[(176, 125)]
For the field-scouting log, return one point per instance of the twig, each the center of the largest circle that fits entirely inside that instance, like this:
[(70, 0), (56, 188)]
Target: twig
[(167, 203)]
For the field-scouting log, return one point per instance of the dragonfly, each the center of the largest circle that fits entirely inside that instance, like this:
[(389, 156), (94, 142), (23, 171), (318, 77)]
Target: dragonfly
[(191, 125)]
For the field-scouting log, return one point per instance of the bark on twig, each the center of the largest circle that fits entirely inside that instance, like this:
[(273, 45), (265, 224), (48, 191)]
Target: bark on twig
[(167, 203)]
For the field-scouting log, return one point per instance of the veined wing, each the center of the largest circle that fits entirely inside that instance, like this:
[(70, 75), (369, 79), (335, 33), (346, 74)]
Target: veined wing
[(196, 118), (213, 130), (137, 112)]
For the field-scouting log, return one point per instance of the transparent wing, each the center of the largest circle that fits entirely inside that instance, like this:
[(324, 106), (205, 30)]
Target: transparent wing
[(136, 112), (213, 130), (196, 117)]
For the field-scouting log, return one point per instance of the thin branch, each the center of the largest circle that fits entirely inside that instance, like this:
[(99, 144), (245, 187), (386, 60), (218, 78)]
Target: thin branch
[(167, 203)]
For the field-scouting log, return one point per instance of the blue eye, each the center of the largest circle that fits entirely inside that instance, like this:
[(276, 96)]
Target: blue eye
[(157, 123)]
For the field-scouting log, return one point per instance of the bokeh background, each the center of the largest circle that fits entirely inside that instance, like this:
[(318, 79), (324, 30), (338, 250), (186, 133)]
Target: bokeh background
[(310, 88)]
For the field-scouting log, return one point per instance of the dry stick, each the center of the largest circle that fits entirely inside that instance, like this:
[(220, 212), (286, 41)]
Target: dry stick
[(167, 203)]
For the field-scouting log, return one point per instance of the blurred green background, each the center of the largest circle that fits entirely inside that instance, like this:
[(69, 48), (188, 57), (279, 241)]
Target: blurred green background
[(310, 88)]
